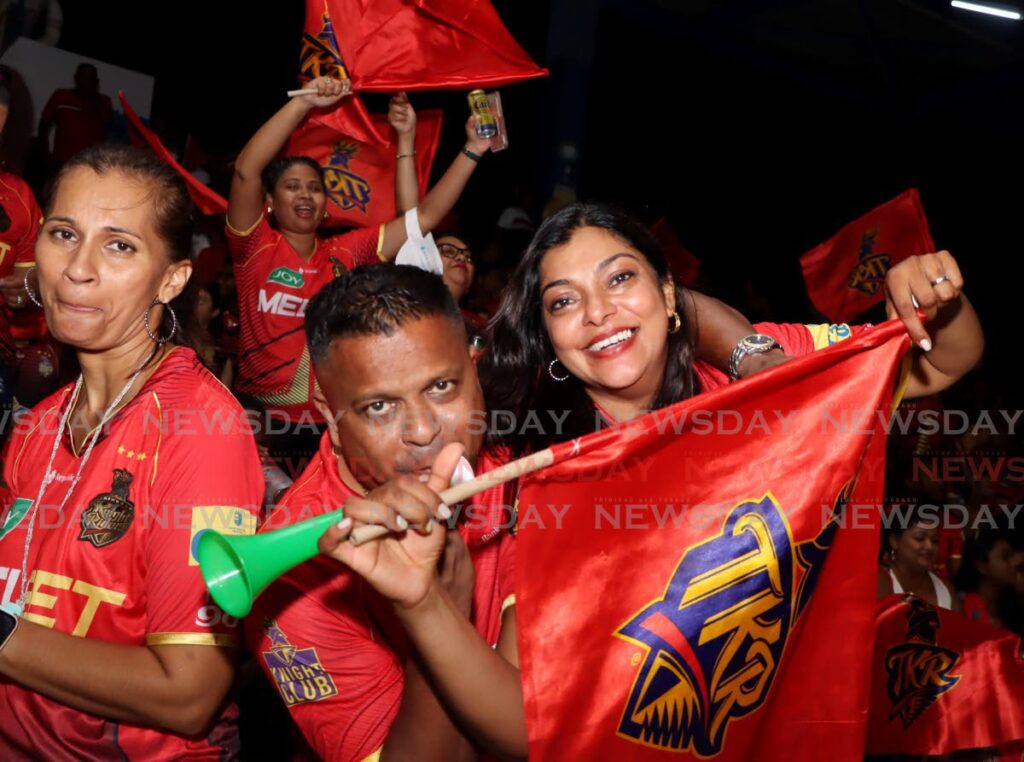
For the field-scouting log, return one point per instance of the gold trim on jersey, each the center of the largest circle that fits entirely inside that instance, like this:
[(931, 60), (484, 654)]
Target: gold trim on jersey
[(243, 233), (298, 390), (380, 244), (190, 639), (375, 757)]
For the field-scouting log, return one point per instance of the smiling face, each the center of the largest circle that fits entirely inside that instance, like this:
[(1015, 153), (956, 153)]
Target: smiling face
[(101, 261), (298, 200), (916, 547), (606, 313), (395, 401)]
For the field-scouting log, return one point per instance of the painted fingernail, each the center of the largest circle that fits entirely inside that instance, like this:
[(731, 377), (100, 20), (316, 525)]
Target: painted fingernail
[(444, 512), (402, 523), (344, 525), (429, 527), (926, 345)]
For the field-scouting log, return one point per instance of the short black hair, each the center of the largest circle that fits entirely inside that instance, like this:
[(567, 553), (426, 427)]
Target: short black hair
[(375, 300), (273, 171)]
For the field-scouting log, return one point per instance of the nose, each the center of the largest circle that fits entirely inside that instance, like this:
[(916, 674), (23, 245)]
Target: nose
[(598, 308), (80, 268), (420, 427)]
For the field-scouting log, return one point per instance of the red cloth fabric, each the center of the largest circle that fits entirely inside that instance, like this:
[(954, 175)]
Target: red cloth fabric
[(845, 274), (360, 174), (684, 597), (393, 45), (942, 683)]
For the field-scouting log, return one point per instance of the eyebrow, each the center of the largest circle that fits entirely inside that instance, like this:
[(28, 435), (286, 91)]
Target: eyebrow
[(381, 394), (109, 228), (600, 266)]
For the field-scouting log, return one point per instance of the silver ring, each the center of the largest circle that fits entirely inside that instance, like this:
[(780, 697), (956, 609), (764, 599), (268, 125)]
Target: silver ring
[(940, 280), (17, 299)]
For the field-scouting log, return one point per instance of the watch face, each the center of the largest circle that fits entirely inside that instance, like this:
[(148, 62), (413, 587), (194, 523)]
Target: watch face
[(759, 340)]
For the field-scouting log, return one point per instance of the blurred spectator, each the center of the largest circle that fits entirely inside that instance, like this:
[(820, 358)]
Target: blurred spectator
[(986, 572), (907, 568), (79, 117)]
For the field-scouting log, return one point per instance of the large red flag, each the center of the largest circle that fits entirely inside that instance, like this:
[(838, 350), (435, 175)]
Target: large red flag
[(320, 57), (206, 199), (845, 274), (392, 45), (685, 589), (359, 176), (942, 683)]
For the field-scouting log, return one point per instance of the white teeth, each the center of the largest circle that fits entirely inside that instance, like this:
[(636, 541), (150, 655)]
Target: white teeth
[(618, 338)]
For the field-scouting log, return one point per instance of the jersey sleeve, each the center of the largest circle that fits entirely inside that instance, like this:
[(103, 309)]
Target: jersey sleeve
[(358, 247), (317, 644), (243, 244), (190, 493)]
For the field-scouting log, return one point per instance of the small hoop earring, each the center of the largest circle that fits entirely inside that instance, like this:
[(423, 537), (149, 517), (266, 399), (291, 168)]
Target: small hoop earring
[(174, 323), (551, 371), (674, 322)]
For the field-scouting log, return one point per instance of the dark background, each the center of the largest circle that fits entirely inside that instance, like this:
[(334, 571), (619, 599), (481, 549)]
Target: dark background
[(758, 127)]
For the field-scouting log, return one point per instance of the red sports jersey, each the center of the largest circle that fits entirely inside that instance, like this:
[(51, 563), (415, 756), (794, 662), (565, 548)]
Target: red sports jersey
[(332, 646), (117, 564), (19, 225), (274, 286)]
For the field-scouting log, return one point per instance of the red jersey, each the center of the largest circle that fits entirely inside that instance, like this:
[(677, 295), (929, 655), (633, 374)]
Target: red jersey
[(796, 340), (117, 564), (19, 226), (79, 121), (332, 646), (274, 286)]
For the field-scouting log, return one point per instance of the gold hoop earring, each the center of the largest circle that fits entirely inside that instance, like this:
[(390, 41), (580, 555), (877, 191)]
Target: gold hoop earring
[(674, 322)]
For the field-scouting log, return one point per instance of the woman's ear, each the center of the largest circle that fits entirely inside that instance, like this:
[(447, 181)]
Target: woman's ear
[(175, 279), (668, 289)]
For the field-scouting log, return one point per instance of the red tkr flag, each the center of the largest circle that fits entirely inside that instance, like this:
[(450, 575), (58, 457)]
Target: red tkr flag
[(845, 274), (684, 265), (359, 177), (393, 45), (942, 683), (700, 582), (206, 199)]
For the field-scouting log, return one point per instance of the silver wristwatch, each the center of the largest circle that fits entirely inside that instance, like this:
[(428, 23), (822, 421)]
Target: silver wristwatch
[(754, 344)]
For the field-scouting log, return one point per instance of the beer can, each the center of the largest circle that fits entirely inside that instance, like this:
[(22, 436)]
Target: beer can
[(486, 124)]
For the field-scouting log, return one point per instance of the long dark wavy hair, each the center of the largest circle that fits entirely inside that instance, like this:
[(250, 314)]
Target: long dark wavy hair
[(514, 371)]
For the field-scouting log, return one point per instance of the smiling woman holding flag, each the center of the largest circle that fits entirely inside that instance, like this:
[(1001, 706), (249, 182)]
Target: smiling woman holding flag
[(280, 266), (592, 304)]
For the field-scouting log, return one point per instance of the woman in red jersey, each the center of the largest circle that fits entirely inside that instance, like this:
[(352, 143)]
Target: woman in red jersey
[(279, 267), (109, 645)]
